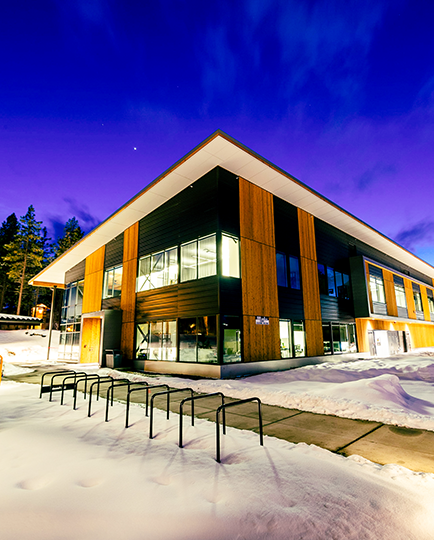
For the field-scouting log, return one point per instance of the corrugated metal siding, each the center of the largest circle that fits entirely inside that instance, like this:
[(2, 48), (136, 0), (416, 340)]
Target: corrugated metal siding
[(290, 303), (336, 309), (76, 272), (228, 202), (114, 252), (286, 227), (358, 287)]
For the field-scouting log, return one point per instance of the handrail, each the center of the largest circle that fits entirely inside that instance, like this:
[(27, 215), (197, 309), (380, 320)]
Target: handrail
[(233, 404), (168, 392), (81, 376), (60, 386), (46, 389), (192, 399), (101, 380), (127, 411)]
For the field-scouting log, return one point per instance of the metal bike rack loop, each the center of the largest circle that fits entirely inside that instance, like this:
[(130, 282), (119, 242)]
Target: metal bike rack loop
[(168, 392)]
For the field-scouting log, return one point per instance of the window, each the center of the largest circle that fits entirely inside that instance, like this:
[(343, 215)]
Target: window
[(198, 340), (230, 256), (285, 330), (282, 279), (156, 340), (377, 287), (70, 321), (294, 273), (430, 295), (231, 339), (158, 270), (339, 338), (199, 258), (322, 278), (299, 339), (333, 283), (112, 282), (401, 300), (331, 287), (417, 298)]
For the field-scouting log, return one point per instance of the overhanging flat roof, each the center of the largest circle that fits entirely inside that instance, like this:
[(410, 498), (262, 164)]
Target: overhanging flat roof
[(221, 150)]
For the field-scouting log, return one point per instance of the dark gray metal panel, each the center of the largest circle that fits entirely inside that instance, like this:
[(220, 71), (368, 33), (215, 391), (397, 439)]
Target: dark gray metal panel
[(111, 331), (76, 272), (228, 202), (290, 303), (402, 312), (231, 301), (379, 308), (114, 252), (358, 287), (286, 227), (336, 309)]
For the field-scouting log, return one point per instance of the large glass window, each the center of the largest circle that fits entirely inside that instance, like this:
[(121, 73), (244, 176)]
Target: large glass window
[(417, 298), (112, 282), (299, 339), (285, 330), (322, 278), (156, 340), (294, 273), (430, 295), (282, 274), (377, 289), (158, 270), (401, 300), (331, 281), (282, 279), (199, 258), (198, 339), (339, 338), (231, 339), (69, 343), (230, 256)]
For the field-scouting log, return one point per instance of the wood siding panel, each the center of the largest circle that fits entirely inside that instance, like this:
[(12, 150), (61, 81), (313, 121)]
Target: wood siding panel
[(93, 281), (425, 304), (410, 299), (310, 284), (260, 342), (389, 289), (258, 273), (90, 340), (128, 294), (362, 335)]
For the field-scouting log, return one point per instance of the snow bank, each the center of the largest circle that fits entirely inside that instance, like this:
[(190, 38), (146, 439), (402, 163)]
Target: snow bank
[(68, 476), (28, 345)]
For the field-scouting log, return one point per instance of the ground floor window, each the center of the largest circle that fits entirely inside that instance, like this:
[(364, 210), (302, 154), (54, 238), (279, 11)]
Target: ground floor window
[(231, 326), (156, 340), (339, 338), (198, 339), (292, 339)]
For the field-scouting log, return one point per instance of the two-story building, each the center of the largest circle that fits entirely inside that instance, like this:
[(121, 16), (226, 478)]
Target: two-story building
[(226, 265)]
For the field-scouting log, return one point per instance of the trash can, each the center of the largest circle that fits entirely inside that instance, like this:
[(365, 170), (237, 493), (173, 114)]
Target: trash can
[(113, 358)]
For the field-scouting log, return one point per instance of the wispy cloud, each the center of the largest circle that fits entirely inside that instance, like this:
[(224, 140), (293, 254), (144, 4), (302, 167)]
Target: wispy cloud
[(418, 235), (380, 172), (86, 219)]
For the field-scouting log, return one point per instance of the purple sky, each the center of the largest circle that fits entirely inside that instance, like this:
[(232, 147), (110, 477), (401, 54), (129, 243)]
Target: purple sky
[(339, 94)]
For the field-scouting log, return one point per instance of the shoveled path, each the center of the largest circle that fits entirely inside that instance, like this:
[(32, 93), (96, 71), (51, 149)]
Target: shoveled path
[(381, 443)]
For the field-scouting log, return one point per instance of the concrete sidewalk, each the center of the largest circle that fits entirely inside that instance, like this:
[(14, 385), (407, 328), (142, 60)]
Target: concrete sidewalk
[(381, 443)]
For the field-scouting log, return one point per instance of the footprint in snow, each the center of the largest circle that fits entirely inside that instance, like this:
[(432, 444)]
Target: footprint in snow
[(35, 483)]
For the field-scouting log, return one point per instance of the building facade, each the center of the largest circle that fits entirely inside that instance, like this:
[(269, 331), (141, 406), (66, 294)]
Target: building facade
[(226, 265)]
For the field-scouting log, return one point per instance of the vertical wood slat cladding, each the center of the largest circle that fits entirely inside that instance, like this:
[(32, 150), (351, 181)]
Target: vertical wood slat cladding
[(258, 273), (128, 294), (93, 281), (422, 335), (362, 335), (410, 299), (425, 304), (389, 290), (310, 284)]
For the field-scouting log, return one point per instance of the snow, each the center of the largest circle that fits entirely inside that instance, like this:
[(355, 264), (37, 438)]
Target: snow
[(28, 345), (66, 476)]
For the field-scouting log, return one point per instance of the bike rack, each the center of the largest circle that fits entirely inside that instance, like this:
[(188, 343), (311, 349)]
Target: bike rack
[(192, 399), (82, 376), (61, 387), (122, 382), (233, 404), (46, 389), (127, 412), (168, 392), (101, 380)]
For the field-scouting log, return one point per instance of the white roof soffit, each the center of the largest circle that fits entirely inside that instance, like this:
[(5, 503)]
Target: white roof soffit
[(220, 149)]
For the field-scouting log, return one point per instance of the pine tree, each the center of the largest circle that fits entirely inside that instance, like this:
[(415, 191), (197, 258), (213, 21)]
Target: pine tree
[(72, 234), (8, 230), (25, 254)]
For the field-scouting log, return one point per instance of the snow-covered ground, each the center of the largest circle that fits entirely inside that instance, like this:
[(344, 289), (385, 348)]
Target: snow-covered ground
[(66, 476), (28, 346)]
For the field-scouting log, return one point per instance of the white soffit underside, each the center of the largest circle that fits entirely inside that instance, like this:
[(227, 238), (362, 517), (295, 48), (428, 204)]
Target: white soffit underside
[(241, 162)]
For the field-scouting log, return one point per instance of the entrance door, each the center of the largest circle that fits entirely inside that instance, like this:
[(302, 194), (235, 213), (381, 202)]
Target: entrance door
[(90, 340)]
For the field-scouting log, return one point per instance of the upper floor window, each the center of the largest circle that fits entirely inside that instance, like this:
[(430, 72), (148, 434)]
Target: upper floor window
[(230, 256), (112, 282), (333, 283), (417, 297), (401, 300), (430, 295), (158, 270), (282, 263), (376, 285), (199, 258)]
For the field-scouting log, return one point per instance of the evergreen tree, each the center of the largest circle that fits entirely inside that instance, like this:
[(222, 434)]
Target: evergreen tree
[(72, 234), (8, 230), (25, 255)]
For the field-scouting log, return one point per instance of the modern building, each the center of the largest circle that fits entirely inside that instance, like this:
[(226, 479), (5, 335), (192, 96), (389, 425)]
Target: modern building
[(226, 265)]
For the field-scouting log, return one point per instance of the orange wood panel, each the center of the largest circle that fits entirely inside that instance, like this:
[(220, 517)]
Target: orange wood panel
[(310, 284), (389, 289), (93, 281), (128, 295), (425, 304), (258, 273), (90, 340), (256, 213), (259, 279), (410, 299), (260, 342), (362, 335), (128, 340)]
